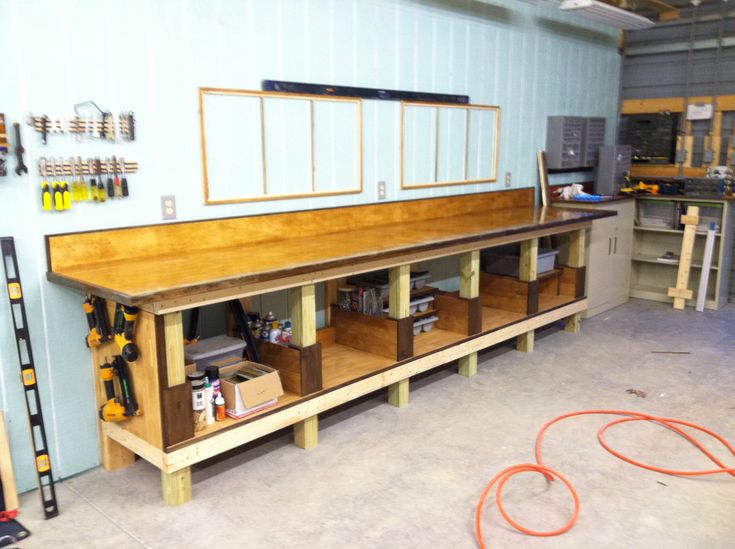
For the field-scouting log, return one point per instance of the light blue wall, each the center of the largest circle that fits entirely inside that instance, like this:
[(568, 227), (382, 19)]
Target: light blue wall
[(150, 57)]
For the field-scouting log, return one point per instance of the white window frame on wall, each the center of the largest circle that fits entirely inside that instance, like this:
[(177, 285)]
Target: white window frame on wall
[(468, 108), (355, 188)]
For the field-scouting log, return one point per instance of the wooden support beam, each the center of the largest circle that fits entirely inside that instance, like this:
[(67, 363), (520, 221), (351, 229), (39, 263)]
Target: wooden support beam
[(468, 365), (469, 288), (176, 486), (682, 292), (398, 394), (174, 334), (577, 243), (469, 274), (399, 307), (331, 291), (527, 272), (400, 291), (302, 300), (306, 433)]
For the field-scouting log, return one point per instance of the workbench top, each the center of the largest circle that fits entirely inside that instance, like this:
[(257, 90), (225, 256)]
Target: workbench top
[(163, 279)]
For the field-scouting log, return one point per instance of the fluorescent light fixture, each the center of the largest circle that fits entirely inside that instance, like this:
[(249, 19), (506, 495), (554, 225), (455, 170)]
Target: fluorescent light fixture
[(607, 14)]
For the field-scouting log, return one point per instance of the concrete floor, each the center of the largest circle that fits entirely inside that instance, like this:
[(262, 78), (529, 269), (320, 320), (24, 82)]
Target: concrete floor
[(385, 477)]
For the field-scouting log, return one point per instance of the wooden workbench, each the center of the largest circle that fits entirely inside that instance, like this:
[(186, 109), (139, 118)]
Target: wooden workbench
[(173, 267)]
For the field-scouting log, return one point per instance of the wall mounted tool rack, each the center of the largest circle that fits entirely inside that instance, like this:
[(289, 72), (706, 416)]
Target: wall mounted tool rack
[(106, 126), (86, 166)]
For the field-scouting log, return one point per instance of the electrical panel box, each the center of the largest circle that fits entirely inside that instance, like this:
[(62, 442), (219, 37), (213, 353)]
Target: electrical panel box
[(593, 137), (564, 141), (612, 166)]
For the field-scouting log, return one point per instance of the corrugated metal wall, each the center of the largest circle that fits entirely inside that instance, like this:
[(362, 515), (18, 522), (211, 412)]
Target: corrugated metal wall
[(150, 57), (655, 65)]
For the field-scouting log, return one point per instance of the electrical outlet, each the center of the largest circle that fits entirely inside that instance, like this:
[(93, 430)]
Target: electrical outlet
[(507, 179), (168, 207), (381, 190)]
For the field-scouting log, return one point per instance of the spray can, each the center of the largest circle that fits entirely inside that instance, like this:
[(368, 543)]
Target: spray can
[(209, 402), (213, 377), (219, 406), (275, 334)]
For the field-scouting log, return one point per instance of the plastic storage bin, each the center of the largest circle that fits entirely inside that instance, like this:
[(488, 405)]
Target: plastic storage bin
[(213, 349), (504, 260), (707, 213), (662, 214)]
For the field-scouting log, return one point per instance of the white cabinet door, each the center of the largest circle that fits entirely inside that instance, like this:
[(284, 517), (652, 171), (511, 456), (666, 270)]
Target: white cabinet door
[(600, 279)]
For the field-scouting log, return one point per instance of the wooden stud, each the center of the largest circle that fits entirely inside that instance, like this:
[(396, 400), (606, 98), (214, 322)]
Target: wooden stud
[(469, 274), (176, 486), (306, 433), (331, 294), (7, 475), (400, 291), (577, 240), (303, 315), (174, 334), (398, 394), (399, 307), (469, 288), (114, 455), (673, 104), (468, 365), (528, 267), (681, 292), (527, 272)]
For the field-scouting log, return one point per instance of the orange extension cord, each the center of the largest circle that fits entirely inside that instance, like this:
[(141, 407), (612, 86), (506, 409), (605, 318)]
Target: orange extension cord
[(538, 467)]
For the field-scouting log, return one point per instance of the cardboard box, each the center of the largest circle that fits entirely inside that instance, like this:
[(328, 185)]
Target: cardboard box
[(247, 397)]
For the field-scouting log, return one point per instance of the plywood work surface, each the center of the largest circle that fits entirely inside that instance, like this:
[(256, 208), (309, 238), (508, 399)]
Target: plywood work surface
[(227, 268)]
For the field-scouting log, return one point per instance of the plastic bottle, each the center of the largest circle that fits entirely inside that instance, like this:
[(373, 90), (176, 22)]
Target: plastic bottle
[(197, 396), (209, 402), (275, 334), (219, 403)]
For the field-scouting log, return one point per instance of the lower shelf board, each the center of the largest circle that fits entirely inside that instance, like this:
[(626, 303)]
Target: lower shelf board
[(546, 302), (283, 400), (495, 318), (341, 364), (437, 338)]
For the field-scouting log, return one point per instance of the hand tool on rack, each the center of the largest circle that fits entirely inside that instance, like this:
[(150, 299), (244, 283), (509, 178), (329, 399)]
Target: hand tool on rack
[(125, 318), (127, 120), (21, 168), (65, 194), (75, 195), (95, 308), (44, 129), (56, 186), (124, 180), (3, 147), (83, 189), (118, 188), (101, 193), (45, 187), (122, 407), (110, 183), (92, 180)]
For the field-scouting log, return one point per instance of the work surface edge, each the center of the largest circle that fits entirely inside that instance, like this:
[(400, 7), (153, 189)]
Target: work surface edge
[(328, 263)]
